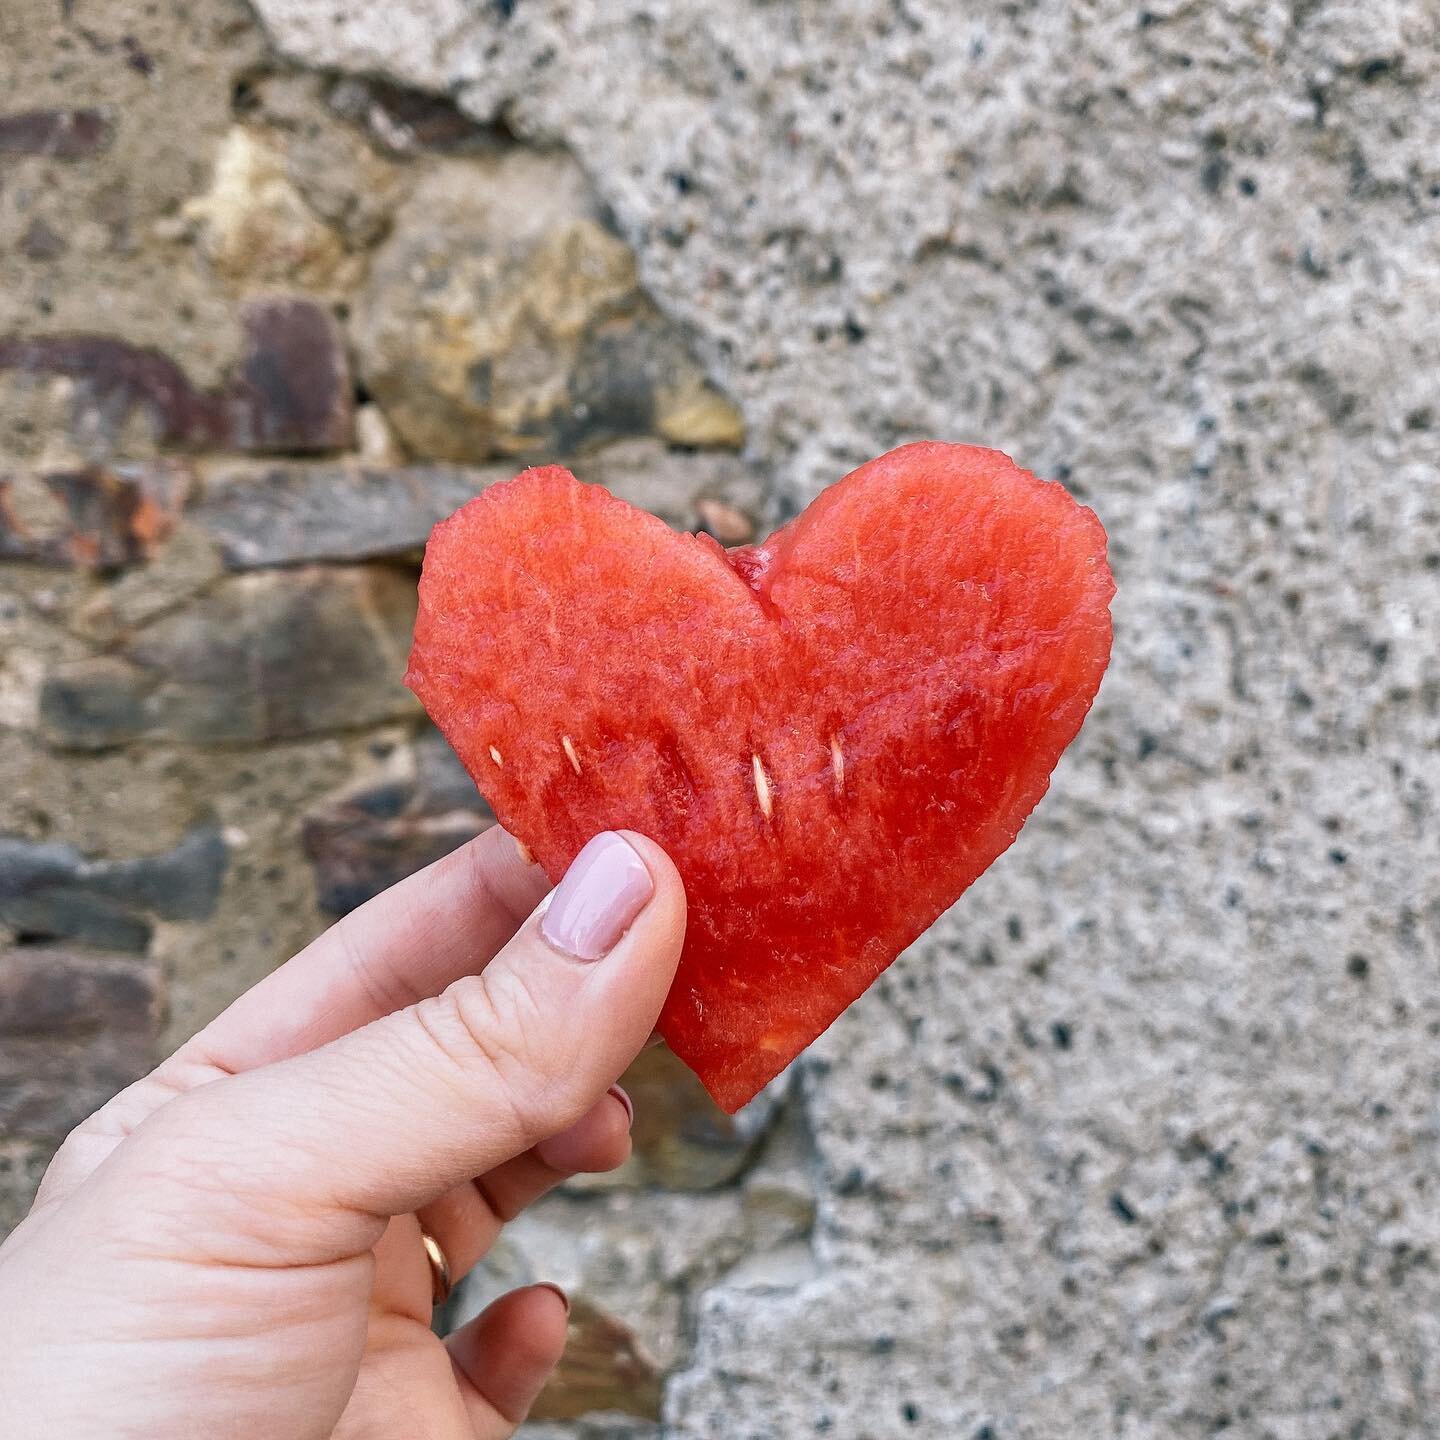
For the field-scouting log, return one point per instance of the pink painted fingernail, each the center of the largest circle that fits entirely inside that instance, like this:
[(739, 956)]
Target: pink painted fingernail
[(564, 1298), (603, 891), (618, 1092)]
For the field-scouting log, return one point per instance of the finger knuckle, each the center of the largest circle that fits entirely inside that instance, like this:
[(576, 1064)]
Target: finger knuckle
[(494, 1029)]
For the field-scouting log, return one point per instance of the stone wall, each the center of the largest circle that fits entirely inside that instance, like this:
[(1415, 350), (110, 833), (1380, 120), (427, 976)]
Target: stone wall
[(1142, 1139)]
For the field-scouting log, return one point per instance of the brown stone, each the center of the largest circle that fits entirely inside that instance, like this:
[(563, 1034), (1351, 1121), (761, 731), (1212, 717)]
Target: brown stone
[(94, 519), (604, 1368), (503, 317), (728, 524), (292, 391), (682, 1139), (60, 134), (356, 854), (74, 1029), (688, 411), (370, 838), (408, 122)]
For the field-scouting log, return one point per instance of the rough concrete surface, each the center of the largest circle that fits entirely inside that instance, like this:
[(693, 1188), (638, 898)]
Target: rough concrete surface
[(1141, 1141)]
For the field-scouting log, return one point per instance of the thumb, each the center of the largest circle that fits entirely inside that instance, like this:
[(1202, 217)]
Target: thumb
[(390, 1117)]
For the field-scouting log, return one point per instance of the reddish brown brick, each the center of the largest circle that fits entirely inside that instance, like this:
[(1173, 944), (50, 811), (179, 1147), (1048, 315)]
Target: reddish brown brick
[(74, 1029), (365, 840), (93, 519), (113, 380), (292, 392)]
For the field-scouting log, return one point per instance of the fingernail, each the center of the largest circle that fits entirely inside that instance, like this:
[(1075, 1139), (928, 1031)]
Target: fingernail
[(619, 1093), (564, 1298), (603, 891)]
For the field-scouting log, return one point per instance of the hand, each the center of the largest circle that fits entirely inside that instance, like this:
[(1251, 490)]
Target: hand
[(232, 1247)]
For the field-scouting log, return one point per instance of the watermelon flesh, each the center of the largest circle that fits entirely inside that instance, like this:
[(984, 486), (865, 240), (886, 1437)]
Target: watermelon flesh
[(832, 733)]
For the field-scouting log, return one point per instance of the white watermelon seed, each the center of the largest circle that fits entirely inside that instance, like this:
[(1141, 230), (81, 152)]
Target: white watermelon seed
[(762, 787)]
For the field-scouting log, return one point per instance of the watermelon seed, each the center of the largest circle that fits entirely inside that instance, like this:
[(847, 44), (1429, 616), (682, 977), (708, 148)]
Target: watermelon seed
[(762, 787), (526, 854), (837, 763), (568, 746), (496, 757)]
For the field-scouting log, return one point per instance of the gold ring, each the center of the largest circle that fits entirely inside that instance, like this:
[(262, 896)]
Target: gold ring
[(439, 1268)]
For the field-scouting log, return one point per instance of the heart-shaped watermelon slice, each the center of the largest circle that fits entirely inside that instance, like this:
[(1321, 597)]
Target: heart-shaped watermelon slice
[(832, 733)]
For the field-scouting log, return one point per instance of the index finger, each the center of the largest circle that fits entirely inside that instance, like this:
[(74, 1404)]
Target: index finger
[(405, 945)]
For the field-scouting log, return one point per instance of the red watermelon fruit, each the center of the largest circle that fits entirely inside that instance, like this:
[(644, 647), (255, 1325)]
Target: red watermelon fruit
[(832, 733)]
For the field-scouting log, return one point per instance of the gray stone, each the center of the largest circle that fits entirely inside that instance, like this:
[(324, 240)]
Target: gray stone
[(95, 703), (298, 513), (1140, 1141), (40, 242), (644, 1256), (287, 515), (182, 884), (50, 891), (181, 568), (75, 1029), (592, 1427), (278, 655), (442, 783), (269, 656), (677, 485)]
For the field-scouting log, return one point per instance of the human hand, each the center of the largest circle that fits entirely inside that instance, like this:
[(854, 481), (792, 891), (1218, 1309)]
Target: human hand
[(232, 1247)]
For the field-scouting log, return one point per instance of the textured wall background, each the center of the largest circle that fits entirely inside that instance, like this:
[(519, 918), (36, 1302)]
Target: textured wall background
[(1142, 1140)]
